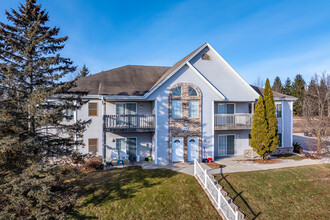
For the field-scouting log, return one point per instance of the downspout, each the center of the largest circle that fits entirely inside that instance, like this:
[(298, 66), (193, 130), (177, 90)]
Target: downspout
[(103, 131)]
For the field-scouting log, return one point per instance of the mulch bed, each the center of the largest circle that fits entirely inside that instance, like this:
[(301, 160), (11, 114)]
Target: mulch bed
[(215, 165), (269, 161)]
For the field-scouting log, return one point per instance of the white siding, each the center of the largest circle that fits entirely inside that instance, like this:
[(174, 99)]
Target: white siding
[(241, 141), (222, 77), (161, 94), (94, 130), (142, 139)]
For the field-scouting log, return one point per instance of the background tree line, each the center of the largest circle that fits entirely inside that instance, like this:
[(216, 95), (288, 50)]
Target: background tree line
[(313, 102)]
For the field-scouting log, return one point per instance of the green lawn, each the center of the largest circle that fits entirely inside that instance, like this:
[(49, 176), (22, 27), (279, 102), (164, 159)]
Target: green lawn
[(133, 193), (288, 193)]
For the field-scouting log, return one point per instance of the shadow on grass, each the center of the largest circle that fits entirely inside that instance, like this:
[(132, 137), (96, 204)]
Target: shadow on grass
[(238, 198), (101, 187)]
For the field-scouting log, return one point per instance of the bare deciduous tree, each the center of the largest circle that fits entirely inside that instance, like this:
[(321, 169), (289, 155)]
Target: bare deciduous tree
[(316, 107)]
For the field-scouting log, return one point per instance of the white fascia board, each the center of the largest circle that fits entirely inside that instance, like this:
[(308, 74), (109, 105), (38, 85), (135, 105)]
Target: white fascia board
[(234, 71), (174, 71), (120, 97), (91, 97), (285, 99), (207, 82)]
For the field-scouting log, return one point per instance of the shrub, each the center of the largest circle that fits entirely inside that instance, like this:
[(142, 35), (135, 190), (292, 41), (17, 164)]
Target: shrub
[(297, 148), (92, 163), (39, 192)]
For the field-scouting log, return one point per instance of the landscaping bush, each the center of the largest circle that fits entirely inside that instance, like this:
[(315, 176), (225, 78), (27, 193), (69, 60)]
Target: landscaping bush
[(297, 148), (92, 163), (39, 192)]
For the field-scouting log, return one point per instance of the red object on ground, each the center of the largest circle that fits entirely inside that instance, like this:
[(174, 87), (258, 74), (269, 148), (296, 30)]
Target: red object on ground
[(209, 159)]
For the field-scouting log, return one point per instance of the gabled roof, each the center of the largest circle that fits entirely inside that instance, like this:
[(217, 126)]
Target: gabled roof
[(130, 80), (177, 65), (276, 95)]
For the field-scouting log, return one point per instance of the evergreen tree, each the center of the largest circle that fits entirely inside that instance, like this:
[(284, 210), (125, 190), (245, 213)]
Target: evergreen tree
[(288, 87), (272, 140), (277, 86), (264, 133), (83, 72), (33, 127), (259, 129), (298, 91)]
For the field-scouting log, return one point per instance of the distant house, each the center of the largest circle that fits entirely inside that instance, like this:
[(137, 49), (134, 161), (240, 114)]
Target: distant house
[(198, 108)]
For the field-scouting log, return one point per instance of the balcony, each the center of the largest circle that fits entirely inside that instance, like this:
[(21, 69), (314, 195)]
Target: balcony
[(232, 121), (129, 123)]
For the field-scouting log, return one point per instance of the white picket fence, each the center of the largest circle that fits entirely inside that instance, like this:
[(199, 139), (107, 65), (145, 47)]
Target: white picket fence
[(214, 191)]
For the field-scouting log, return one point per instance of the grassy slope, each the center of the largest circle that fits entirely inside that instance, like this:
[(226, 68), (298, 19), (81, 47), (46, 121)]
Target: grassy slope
[(133, 193), (288, 193)]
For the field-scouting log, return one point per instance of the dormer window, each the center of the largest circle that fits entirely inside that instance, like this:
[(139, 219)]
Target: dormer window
[(192, 91), (177, 91), (205, 56)]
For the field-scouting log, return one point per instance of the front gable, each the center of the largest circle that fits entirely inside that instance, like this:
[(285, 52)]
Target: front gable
[(216, 73), (223, 76)]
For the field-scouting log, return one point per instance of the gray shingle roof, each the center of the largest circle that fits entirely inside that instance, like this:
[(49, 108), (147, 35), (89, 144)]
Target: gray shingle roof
[(131, 80), (260, 91)]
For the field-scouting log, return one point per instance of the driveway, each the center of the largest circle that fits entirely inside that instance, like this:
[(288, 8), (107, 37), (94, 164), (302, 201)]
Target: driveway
[(310, 143)]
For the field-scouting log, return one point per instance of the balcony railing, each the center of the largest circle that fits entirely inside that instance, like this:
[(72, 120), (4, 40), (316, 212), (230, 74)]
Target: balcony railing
[(129, 123), (232, 121)]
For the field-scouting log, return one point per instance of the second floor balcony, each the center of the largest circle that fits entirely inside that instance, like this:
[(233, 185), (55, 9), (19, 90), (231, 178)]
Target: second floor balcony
[(129, 123), (233, 121)]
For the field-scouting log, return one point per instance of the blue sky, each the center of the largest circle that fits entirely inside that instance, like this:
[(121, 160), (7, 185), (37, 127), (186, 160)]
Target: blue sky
[(258, 38)]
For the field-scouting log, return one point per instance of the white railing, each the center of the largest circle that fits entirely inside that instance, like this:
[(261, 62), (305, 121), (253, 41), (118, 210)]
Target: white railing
[(217, 197), (233, 121)]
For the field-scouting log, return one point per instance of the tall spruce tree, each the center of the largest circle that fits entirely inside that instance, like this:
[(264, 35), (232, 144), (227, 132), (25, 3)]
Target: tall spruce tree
[(259, 129), (298, 91), (83, 72), (272, 140), (277, 86), (287, 87), (32, 125)]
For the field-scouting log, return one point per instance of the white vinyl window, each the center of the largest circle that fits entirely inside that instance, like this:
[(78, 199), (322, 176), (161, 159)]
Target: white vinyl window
[(193, 109), (226, 108), (278, 110), (176, 109), (280, 139), (125, 108)]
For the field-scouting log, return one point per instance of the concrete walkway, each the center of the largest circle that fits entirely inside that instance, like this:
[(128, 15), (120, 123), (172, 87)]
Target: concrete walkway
[(236, 164), (240, 164), (187, 168)]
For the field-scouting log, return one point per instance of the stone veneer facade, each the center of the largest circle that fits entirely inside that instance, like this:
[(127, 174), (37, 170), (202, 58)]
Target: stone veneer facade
[(177, 125)]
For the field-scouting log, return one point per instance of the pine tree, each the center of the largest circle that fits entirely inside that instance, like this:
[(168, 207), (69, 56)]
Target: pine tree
[(272, 140), (32, 126), (288, 87), (83, 72), (259, 129), (298, 91), (277, 86)]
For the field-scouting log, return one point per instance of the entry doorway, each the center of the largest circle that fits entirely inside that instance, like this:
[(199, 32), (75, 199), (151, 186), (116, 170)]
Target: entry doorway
[(177, 149), (193, 148)]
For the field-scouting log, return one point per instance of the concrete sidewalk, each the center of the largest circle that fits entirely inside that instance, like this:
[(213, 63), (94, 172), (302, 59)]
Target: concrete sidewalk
[(187, 168), (235, 164), (240, 164)]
